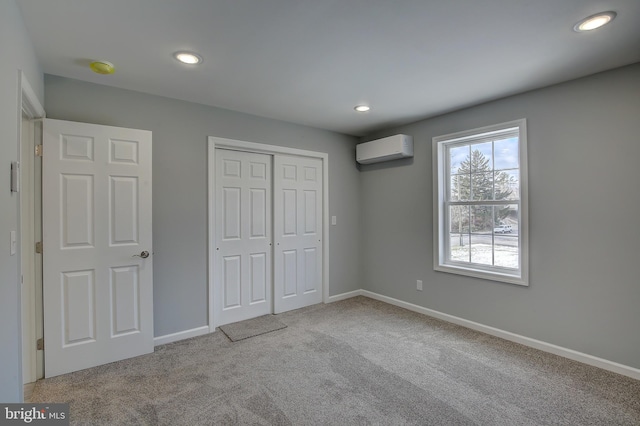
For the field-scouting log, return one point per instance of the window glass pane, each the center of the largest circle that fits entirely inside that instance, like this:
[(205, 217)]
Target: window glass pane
[(481, 238), (457, 155), (506, 219), (507, 185), (482, 220), (482, 186), (506, 251), (481, 250), (460, 189), (459, 248), (506, 234), (481, 157), (459, 233), (477, 162), (459, 219), (506, 154)]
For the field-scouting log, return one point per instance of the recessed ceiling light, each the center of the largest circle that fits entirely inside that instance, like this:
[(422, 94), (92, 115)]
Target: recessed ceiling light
[(594, 21), (362, 108), (188, 58)]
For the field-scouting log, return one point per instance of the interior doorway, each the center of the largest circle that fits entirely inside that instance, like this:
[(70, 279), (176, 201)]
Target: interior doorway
[(29, 214)]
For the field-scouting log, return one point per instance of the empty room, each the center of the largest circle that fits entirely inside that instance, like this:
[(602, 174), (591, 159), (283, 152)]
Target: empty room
[(318, 212)]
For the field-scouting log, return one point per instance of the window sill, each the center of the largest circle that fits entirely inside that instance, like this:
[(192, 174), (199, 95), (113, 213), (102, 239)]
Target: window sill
[(485, 275)]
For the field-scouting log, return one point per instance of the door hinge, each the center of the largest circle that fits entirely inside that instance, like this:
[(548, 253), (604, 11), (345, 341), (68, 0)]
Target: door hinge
[(40, 344), (39, 247), (39, 150)]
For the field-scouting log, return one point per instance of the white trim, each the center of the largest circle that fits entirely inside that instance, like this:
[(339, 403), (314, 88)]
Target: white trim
[(216, 142), (325, 227), (261, 148), (344, 296), (29, 101), (29, 104), (181, 335), (27, 253), (211, 190), (615, 367)]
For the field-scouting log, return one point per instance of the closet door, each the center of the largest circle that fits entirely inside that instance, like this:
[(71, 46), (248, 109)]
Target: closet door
[(243, 231), (298, 262)]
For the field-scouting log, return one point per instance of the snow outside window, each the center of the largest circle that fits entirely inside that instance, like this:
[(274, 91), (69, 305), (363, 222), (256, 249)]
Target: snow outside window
[(480, 203)]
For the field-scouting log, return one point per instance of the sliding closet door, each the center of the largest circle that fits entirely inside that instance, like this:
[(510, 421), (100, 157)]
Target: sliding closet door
[(243, 234), (298, 232)]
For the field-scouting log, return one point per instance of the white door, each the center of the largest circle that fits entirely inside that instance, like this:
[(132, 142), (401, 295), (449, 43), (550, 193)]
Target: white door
[(243, 236), (98, 276), (298, 232)]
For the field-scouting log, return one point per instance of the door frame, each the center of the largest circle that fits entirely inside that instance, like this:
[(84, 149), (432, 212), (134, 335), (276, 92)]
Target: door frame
[(237, 145), (31, 305)]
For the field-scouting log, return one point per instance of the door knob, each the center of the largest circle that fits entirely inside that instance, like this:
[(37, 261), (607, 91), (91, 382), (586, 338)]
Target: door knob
[(144, 254)]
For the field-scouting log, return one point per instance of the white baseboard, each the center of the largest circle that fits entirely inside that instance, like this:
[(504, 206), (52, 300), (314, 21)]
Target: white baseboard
[(615, 367), (625, 370), (344, 296), (181, 335)]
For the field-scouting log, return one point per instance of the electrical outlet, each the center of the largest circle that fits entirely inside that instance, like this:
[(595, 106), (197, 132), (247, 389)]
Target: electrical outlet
[(419, 285)]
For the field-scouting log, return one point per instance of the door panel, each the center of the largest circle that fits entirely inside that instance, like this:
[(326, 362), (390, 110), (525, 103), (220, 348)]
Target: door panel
[(79, 311), (310, 263), (258, 213), (98, 300), (242, 264), (232, 283), (125, 292), (258, 278), (298, 232), (310, 212), (290, 272), (123, 212), (76, 217)]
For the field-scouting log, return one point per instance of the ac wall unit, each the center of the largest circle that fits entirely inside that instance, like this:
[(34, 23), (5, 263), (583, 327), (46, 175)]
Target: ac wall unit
[(385, 149)]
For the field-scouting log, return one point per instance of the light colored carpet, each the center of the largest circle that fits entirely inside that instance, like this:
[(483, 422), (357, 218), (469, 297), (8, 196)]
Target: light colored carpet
[(353, 362), (252, 327)]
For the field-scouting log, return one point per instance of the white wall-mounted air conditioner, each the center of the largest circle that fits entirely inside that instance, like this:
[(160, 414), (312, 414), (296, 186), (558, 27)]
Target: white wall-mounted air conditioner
[(385, 149)]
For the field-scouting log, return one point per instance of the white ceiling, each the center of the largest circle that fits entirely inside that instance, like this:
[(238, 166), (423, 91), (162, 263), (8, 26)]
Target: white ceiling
[(312, 61)]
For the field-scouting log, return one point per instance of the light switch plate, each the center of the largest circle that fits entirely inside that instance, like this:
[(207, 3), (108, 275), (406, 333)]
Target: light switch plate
[(334, 220)]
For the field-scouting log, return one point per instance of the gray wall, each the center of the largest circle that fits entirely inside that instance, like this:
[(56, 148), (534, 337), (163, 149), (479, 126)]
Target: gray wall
[(17, 54), (584, 186), (584, 198), (180, 131)]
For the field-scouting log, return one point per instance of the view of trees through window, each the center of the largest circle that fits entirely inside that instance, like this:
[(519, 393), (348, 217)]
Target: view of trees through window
[(483, 202)]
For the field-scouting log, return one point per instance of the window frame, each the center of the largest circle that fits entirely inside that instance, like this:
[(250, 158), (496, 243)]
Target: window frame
[(441, 184)]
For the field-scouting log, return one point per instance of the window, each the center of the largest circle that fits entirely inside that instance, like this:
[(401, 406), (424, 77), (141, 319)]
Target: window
[(480, 203)]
